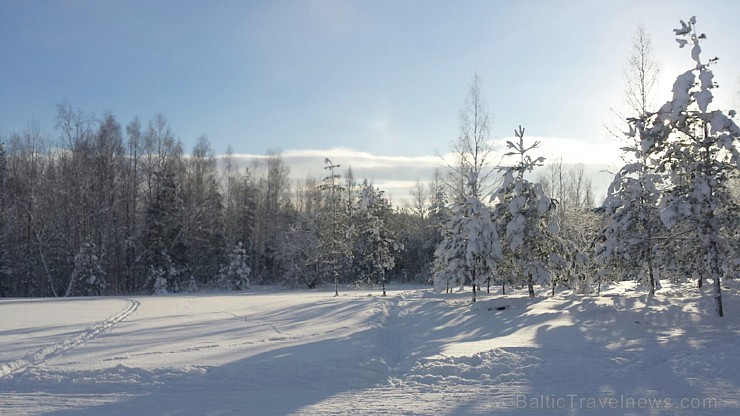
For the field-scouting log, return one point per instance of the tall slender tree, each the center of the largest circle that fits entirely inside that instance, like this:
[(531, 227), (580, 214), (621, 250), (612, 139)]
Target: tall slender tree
[(471, 170), (696, 148)]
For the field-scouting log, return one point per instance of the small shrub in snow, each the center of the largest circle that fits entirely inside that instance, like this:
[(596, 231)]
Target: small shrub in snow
[(235, 274), (88, 278), (158, 279)]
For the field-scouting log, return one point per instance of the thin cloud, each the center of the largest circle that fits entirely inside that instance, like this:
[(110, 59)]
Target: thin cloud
[(572, 151), (397, 175)]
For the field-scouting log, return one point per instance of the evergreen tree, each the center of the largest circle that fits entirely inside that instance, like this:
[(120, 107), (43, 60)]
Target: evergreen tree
[(526, 219), (333, 246), (630, 237), (235, 274), (165, 249), (378, 244), (469, 249), (88, 278), (697, 150)]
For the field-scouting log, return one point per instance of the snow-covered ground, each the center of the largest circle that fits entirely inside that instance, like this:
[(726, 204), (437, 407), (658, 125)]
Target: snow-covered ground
[(268, 351)]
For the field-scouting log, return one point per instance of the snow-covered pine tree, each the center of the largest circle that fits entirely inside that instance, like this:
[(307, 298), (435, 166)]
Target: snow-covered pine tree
[(469, 249), (378, 242), (697, 149), (234, 275), (333, 246), (525, 218), (88, 278), (633, 229), (165, 251)]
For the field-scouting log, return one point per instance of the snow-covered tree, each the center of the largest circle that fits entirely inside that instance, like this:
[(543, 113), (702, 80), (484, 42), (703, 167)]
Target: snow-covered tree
[(469, 249), (158, 280), (378, 245), (630, 236), (697, 150), (88, 278), (299, 255), (633, 232), (333, 247), (234, 275), (525, 218), (165, 250)]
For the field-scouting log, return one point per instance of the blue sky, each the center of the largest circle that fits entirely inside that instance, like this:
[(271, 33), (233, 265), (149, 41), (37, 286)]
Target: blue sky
[(383, 77)]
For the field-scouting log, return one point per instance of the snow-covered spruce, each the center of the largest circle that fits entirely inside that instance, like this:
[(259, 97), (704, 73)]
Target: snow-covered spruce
[(235, 274), (630, 239), (526, 220), (696, 149), (88, 278), (333, 248), (470, 248), (377, 243)]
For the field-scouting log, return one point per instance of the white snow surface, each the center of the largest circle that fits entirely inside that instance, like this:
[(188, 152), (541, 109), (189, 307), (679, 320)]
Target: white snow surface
[(271, 352)]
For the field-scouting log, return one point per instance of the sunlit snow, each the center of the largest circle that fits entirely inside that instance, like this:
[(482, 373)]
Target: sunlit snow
[(269, 351)]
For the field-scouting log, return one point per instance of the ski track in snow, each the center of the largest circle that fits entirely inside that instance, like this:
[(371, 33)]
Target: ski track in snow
[(75, 340)]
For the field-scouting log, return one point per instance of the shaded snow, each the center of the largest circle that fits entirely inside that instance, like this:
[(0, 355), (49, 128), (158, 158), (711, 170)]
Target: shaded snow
[(413, 352)]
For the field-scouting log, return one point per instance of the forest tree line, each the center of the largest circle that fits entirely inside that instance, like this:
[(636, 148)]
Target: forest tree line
[(107, 209)]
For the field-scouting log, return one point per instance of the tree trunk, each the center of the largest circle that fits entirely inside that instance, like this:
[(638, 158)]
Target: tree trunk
[(530, 287), (474, 292), (718, 295)]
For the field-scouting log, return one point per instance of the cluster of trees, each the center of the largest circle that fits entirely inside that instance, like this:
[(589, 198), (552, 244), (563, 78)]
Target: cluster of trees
[(672, 210)]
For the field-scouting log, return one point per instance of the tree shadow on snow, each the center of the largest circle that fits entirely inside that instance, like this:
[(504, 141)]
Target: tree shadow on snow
[(278, 381), (626, 348), (628, 355)]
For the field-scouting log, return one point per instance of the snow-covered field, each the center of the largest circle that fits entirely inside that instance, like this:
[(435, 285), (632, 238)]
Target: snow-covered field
[(268, 351)]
